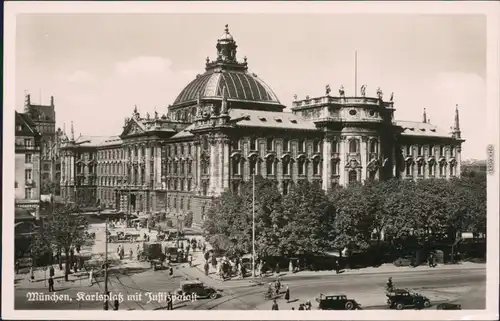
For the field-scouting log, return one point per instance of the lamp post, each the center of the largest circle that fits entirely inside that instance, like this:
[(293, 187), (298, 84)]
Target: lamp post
[(253, 225), (106, 292)]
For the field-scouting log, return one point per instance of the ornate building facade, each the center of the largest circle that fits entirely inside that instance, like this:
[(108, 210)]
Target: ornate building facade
[(44, 118), (228, 124), (27, 164)]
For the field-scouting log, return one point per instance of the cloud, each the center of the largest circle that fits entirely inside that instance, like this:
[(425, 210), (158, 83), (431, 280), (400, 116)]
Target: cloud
[(80, 76), (143, 65)]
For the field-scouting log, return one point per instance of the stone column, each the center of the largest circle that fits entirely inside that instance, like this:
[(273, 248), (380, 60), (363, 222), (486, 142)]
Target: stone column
[(139, 168), (327, 151), (364, 157), (197, 166), (213, 167), (225, 165), (342, 161), (147, 166), (158, 169), (458, 167), (72, 169)]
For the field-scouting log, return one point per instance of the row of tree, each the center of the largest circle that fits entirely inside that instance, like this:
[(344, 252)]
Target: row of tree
[(309, 221), (59, 235)]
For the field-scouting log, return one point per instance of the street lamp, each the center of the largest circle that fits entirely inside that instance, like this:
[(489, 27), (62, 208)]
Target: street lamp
[(106, 292)]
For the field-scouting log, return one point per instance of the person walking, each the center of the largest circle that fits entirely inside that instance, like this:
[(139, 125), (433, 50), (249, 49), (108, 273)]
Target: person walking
[(277, 269), (171, 272), (301, 306), (308, 305), (131, 253), (190, 260), (116, 305), (18, 266), (287, 295), (275, 305), (170, 303), (52, 273), (51, 284), (207, 268)]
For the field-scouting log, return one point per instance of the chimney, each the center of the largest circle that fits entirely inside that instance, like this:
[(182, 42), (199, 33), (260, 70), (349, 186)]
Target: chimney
[(425, 117), (27, 102), (52, 101)]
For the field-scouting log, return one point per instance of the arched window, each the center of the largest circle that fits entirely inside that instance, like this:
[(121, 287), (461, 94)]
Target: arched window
[(441, 169), (286, 164), (353, 146), (236, 167), (353, 176), (253, 166), (316, 166), (270, 166), (373, 146)]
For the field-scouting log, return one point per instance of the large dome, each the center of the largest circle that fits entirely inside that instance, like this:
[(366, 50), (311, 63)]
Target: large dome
[(239, 86), (225, 73)]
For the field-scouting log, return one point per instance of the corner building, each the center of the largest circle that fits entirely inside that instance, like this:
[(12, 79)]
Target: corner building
[(228, 124)]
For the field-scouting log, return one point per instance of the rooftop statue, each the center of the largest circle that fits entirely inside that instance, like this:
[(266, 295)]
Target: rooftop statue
[(380, 94), (392, 96), (363, 90), (295, 97), (341, 91), (328, 90), (156, 114)]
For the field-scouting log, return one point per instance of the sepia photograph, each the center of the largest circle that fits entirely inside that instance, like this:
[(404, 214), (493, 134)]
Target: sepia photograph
[(205, 157)]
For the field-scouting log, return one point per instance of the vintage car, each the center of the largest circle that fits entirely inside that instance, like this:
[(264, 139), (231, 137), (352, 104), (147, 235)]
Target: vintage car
[(449, 306), (336, 302), (400, 298), (198, 288)]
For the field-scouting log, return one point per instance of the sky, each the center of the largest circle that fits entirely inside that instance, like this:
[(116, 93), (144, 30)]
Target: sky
[(98, 66)]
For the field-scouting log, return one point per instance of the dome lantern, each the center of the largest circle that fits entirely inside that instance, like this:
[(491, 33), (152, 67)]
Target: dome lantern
[(226, 47)]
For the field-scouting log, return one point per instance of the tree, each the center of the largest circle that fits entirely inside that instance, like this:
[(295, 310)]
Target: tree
[(48, 186), (67, 229), (303, 225), (231, 215)]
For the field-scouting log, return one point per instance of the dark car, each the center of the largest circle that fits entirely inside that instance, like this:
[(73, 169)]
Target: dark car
[(336, 302), (399, 299), (449, 306), (198, 289)]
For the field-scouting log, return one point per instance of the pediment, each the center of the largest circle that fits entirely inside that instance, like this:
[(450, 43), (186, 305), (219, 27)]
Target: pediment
[(132, 128)]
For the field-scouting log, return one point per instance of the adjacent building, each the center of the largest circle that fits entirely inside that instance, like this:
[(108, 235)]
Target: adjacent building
[(27, 164), (228, 125), (44, 118)]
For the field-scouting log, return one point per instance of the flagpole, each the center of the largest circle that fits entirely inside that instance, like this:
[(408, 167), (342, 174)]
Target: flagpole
[(253, 225), (355, 73)]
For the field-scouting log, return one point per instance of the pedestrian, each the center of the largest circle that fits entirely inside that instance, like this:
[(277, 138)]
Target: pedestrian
[(32, 275), (18, 266), (275, 305), (131, 253), (182, 245), (277, 268), (51, 271), (51, 284), (301, 307), (204, 247), (207, 268), (122, 253), (171, 272), (293, 308), (290, 267), (91, 277), (287, 295), (170, 303), (118, 249), (190, 260), (308, 305), (116, 305)]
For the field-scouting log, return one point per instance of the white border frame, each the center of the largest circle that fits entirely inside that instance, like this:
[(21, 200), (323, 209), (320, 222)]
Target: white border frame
[(490, 9)]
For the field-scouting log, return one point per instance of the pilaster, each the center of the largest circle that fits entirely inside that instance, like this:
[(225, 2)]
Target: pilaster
[(342, 161), (327, 151), (363, 158)]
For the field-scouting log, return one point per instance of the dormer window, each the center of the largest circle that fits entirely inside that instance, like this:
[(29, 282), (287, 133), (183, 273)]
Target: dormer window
[(279, 120), (412, 129), (422, 129), (262, 119), (433, 130), (293, 121)]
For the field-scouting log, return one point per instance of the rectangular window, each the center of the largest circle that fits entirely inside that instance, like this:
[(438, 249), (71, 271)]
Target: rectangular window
[(420, 150), (441, 151), (189, 149), (301, 166), (335, 146), (285, 168), (236, 144), (182, 149), (316, 146), (189, 185), (301, 145), (408, 150), (270, 145), (315, 168), (286, 145), (27, 158), (253, 144), (431, 150), (452, 151), (27, 193), (190, 167), (28, 174), (334, 168), (269, 167), (28, 143), (408, 170)]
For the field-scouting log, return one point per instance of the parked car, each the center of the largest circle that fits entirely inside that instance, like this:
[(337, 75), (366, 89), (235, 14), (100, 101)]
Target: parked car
[(449, 306), (198, 288), (399, 299), (336, 302)]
